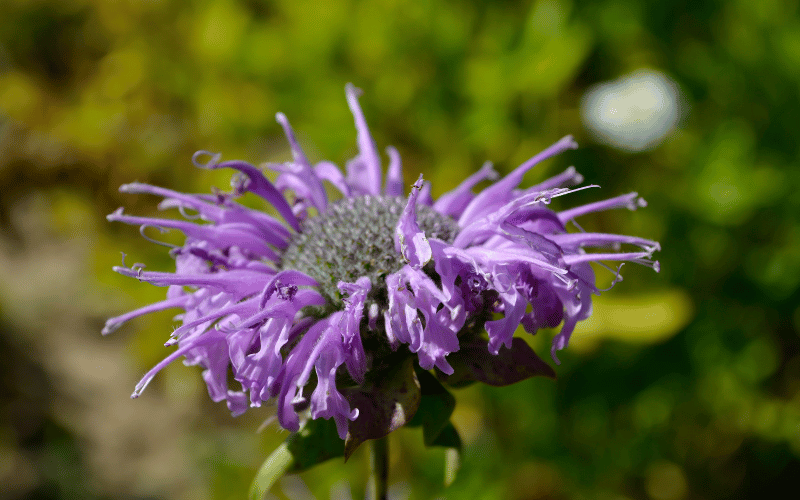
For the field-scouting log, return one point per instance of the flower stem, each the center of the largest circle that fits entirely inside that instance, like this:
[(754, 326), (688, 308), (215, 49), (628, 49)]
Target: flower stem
[(379, 462)]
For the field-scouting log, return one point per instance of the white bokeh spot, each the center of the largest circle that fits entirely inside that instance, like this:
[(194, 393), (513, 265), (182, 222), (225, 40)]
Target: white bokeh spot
[(635, 112)]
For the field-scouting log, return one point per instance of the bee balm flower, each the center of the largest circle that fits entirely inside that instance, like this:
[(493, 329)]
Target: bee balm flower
[(301, 309)]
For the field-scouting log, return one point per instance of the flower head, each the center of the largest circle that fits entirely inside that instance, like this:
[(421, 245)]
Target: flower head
[(302, 310)]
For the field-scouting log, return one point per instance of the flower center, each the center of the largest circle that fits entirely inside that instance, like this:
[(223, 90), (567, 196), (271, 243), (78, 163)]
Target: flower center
[(355, 238)]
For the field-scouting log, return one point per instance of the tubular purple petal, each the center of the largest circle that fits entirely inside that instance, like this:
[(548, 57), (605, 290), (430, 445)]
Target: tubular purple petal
[(438, 337), (478, 230), (597, 257), (326, 400), (394, 175), (568, 177), (290, 277), (299, 175), (327, 171), (454, 202), (602, 239), (116, 322), (409, 239), (354, 355), (236, 282), (181, 351), (241, 235), (261, 186), (498, 193), (631, 201), (425, 194), (363, 171), (206, 210), (502, 330)]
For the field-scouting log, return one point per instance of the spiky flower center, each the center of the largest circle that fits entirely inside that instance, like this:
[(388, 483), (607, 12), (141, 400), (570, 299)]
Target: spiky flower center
[(355, 238)]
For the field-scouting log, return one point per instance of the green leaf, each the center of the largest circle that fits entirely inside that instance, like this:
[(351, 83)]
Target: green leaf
[(273, 468), (385, 402), (315, 443), (473, 362), (448, 438), (435, 408)]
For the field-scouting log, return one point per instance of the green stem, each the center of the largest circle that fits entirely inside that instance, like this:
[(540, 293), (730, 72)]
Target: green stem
[(379, 462)]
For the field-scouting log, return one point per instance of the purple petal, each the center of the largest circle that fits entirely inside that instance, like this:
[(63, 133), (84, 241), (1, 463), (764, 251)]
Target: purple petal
[(639, 257), (283, 282), (535, 241), (327, 171), (425, 197), (237, 402), (547, 309), (538, 219), (257, 184), (299, 176), (207, 339), (579, 240), (568, 177), (394, 175), (501, 331), (401, 319), (439, 336), (259, 371), (223, 235), (476, 231), (298, 365), (498, 194), (512, 255), (363, 171), (326, 400), (236, 283), (577, 305), (354, 355), (206, 210), (409, 239), (273, 231), (631, 201), (454, 202), (116, 322)]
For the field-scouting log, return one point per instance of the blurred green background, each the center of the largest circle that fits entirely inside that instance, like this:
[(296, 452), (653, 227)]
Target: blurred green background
[(684, 385)]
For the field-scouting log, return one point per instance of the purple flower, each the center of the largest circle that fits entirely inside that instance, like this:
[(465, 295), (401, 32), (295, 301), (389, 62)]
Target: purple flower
[(295, 309)]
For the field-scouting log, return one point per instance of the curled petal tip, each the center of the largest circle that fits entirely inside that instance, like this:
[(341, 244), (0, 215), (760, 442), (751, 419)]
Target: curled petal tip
[(213, 159)]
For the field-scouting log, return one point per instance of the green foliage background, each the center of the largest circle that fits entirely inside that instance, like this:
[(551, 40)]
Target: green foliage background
[(686, 384)]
